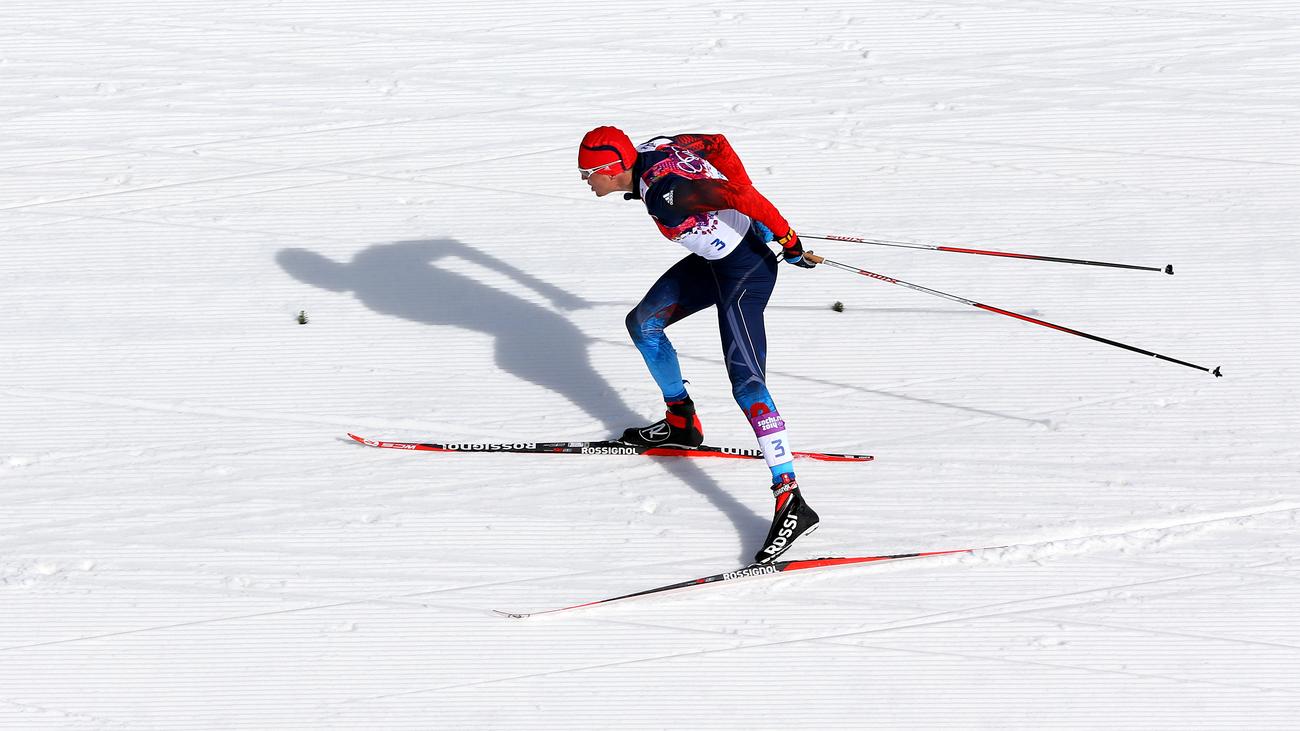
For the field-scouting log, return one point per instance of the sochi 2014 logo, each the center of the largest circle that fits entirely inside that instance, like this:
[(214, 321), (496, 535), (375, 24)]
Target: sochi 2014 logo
[(689, 162)]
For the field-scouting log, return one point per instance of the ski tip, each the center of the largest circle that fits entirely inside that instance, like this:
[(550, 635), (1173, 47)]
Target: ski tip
[(1169, 269), (832, 457)]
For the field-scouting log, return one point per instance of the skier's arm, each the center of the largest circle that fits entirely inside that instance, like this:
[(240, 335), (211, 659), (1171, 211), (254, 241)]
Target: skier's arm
[(709, 194)]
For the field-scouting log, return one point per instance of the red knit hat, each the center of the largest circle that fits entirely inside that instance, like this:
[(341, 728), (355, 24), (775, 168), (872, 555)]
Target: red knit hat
[(603, 146)]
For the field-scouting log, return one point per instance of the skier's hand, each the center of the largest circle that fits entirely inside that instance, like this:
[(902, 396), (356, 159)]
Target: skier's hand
[(792, 250)]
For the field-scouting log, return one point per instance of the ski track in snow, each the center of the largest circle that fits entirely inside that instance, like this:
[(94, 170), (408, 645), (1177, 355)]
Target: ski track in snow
[(190, 541)]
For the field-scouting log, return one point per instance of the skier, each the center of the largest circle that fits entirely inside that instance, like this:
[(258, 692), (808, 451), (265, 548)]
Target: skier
[(697, 192)]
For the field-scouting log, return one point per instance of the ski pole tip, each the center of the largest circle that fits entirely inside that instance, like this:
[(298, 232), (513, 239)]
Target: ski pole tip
[(1169, 269), (1217, 373)]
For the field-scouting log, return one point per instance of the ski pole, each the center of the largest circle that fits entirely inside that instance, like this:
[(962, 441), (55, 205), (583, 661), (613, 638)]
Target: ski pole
[(823, 260), (1168, 268)]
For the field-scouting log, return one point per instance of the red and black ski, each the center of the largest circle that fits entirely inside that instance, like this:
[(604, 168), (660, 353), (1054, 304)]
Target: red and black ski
[(601, 447), (777, 567)]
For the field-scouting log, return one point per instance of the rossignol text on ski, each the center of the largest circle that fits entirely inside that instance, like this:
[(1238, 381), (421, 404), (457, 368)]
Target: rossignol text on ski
[(599, 448), (748, 572)]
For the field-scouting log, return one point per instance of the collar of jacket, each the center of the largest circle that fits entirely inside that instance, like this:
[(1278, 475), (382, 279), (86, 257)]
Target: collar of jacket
[(638, 169)]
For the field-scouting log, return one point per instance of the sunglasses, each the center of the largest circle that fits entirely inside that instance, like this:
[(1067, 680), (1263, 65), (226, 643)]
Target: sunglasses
[(588, 172)]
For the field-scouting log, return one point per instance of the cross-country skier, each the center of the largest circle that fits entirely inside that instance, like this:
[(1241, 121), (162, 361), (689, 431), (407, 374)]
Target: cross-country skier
[(699, 195)]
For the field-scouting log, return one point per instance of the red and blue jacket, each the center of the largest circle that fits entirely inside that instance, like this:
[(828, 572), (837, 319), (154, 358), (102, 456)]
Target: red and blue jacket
[(699, 195)]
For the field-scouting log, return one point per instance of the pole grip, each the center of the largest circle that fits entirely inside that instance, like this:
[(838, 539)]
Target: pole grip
[(813, 257)]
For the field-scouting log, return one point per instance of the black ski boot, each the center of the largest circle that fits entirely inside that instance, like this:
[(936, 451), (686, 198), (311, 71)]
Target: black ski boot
[(793, 519), (680, 427)]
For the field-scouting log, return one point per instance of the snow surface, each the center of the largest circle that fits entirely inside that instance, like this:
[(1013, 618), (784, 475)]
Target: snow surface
[(188, 540)]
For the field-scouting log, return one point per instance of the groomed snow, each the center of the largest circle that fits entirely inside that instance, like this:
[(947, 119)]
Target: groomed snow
[(188, 539)]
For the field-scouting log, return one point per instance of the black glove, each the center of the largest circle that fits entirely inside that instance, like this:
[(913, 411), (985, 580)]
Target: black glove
[(792, 250)]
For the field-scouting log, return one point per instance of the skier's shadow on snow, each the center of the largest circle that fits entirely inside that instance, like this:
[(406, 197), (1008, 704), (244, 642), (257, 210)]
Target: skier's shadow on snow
[(419, 281)]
